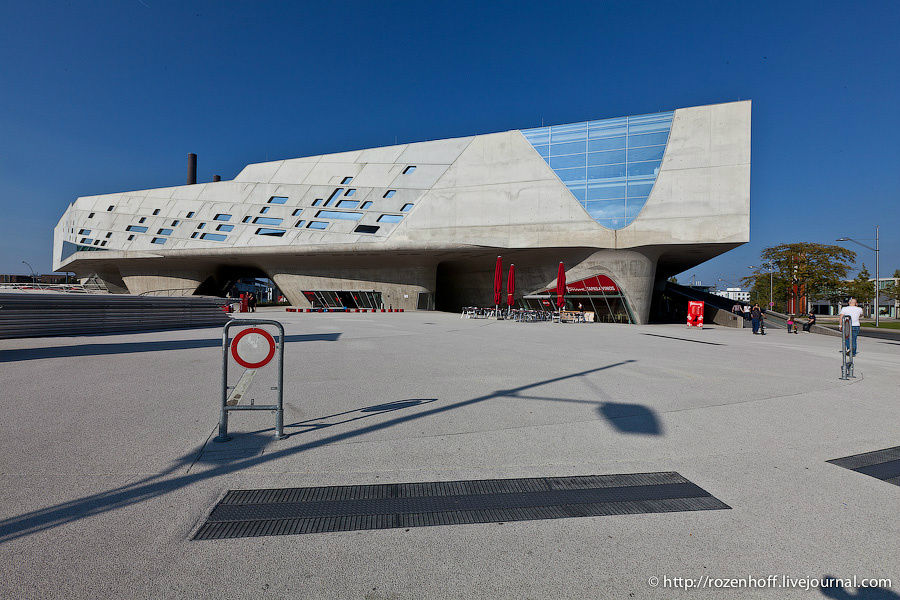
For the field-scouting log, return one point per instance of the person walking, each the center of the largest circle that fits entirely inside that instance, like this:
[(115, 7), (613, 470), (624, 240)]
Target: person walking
[(755, 318), (854, 312), (251, 302)]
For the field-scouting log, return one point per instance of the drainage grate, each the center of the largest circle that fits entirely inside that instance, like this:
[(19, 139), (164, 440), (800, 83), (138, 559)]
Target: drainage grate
[(252, 513), (880, 464)]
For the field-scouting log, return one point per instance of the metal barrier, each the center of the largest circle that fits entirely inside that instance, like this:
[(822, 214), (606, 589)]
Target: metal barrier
[(279, 407), (846, 349)]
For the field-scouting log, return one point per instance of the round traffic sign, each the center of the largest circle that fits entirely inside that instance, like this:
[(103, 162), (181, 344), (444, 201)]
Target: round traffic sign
[(253, 347)]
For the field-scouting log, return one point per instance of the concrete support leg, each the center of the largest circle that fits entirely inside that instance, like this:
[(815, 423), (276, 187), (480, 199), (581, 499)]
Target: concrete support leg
[(633, 272)]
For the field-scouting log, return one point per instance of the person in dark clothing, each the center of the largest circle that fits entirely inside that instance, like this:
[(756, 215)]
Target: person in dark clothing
[(251, 302), (755, 318), (812, 321)]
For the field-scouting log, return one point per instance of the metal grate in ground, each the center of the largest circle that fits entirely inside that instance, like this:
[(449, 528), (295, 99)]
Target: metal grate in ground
[(880, 464), (252, 513)]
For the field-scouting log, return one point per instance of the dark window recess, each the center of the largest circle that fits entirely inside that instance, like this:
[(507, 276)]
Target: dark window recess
[(190, 214), (91, 216), (296, 212), (175, 223), (221, 217), (334, 195), (346, 180), (317, 202), (193, 235), (366, 229), (409, 169), (103, 243), (389, 193), (155, 212), (110, 208), (246, 219), (278, 199), (142, 219), (264, 210), (270, 232), (130, 237), (201, 225), (109, 235)]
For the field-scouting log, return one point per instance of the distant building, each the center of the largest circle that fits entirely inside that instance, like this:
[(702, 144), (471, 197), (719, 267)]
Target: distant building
[(736, 294), (889, 307)]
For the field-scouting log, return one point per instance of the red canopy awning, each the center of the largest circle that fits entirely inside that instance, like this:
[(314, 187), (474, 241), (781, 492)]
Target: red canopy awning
[(510, 285), (498, 280), (561, 286)]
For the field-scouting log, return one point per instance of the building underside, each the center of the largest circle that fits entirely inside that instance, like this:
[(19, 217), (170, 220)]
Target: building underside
[(419, 226)]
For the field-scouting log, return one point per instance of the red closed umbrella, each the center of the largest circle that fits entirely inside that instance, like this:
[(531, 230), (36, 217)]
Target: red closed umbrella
[(510, 285), (561, 286), (498, 280)]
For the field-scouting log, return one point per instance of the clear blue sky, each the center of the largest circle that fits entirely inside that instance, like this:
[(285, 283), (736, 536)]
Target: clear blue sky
[(100, 97)]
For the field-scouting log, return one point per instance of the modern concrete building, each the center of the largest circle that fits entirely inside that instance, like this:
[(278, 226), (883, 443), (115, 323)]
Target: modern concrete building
[(624, 203)]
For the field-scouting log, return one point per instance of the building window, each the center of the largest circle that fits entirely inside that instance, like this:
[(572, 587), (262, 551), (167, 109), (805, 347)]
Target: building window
[(317, 225), (224, 227), (130, 237), (366, 228), (337, 214), (193, 235), (366, 204), (270, 232), (164, 232), (201, 225), (389, 194), (246, 219), (215, 237), (103, 243), (350, 192), (317, 202), (300, 223), (96, 242), (110, 208), (155, 212), (346, 180), (406, 207), (334, 195), (267, 221), (278, 199), (84, 232), (222, 217), (158, 240), (390, 218), (296, 212), (91, 216), (142, 219), (175, 223), (136, 229), (190, 214), (109, 235), (264, 210), (347, 204), (410, 169)]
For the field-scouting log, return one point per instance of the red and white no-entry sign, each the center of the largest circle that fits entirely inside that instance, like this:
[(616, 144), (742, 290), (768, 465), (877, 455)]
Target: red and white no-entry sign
[(253, 347)]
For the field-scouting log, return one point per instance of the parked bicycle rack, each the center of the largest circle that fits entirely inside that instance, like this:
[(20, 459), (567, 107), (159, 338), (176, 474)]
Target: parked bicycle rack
[(274, 347)]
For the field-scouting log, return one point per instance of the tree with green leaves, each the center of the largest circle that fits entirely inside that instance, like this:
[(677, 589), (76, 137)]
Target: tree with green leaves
[(818, 271)]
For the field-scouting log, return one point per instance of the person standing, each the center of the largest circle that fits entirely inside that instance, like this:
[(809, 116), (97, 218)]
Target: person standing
[(251, 301), (854, 312), (755, 318)]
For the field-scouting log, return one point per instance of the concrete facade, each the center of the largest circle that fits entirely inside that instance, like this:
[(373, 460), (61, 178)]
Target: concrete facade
[(422, 218)]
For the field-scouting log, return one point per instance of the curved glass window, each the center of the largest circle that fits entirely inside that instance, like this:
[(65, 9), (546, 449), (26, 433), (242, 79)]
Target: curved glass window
[(610, 166)]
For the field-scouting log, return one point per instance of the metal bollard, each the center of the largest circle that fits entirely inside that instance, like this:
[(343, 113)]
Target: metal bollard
[(846, 353), (279, 407)]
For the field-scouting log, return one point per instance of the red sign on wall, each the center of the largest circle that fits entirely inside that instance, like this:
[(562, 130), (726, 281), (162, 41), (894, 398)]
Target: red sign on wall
[(695, 313), (596, 284)]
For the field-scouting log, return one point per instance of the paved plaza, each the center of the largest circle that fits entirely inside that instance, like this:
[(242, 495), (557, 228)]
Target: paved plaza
[(108, 465)]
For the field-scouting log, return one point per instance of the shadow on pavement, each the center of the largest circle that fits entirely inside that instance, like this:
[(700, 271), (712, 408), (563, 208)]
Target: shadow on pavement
[(131, 347), (630, 418), (230, 461)]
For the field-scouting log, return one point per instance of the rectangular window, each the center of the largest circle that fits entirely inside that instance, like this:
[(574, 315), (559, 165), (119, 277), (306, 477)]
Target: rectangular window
[(84, 232), (366, 228), (270, 232), (91, 216), (277, 199), (390, 218), (190, 214), (317, 225), (193, 235), (158, 241), (264, 210), (201, 225), (336, 214), (215, 237), (96, 242), (300, 223), (175, 223), (130, 237), (155, 212), (246, 219), (222, 217), (109, 235), (346, 180), (296, 212), (347, 204), (267, 221), (224, 227), (366, 204), (350, 192), (110, 208), (406, 208), (103, 243), (317, 202), (164, 232), (142, 219), (409, 169), (389, 194), (136, 228), (334, 195), (86, 240)]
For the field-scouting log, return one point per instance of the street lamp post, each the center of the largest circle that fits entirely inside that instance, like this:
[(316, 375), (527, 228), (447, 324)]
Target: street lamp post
[(33, 280), (877, 265)]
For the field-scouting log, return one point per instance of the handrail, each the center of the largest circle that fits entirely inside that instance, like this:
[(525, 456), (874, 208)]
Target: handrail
[(73, 288)]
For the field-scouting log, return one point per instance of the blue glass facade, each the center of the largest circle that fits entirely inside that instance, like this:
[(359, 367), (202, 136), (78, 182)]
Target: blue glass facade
[(610, 166)]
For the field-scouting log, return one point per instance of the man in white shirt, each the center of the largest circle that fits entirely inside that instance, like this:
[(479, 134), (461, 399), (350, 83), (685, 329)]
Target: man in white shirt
[(854, 312)]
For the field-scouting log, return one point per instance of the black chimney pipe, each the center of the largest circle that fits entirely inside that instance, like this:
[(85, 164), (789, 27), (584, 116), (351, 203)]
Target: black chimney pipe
[(192, 169), (217, 178)]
